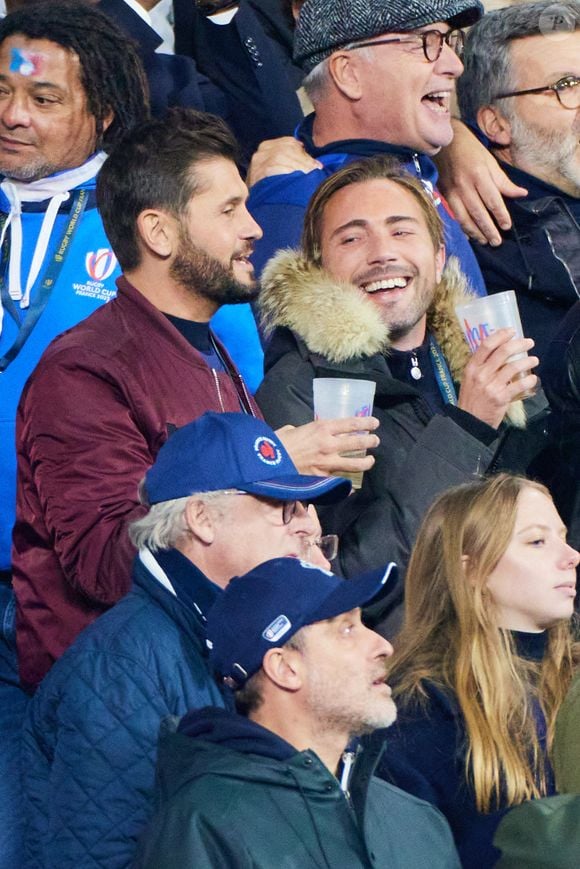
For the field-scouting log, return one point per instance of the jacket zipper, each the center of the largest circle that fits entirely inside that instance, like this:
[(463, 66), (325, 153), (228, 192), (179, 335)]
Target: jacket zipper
[(237, 381), (218, 389), (348, 758)]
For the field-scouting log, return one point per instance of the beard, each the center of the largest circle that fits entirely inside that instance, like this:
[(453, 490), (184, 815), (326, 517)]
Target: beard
[(32, 171), (401, 318), (340, 711), (555, 154), (204, 275)]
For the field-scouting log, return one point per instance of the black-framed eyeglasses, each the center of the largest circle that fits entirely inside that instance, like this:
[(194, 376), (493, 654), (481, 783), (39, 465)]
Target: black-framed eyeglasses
[(432, 42), (566, 89), (289, 508)]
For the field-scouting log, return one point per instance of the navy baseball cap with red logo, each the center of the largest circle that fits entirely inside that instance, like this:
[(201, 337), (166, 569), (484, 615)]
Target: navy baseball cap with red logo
[(233, 451)]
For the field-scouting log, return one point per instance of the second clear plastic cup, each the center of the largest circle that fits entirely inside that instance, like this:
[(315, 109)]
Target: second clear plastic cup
[(485, 315), (339, 397)]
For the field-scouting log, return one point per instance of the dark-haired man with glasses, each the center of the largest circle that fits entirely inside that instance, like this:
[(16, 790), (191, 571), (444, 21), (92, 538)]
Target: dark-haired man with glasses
[(222, 496), (381, 77), (521, 86)]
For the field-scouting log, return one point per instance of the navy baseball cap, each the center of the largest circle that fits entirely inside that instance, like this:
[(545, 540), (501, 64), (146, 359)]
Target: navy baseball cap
[(233, 451), (264, 608)]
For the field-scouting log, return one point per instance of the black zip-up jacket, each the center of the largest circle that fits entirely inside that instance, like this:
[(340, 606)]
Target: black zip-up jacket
[(539, 257)]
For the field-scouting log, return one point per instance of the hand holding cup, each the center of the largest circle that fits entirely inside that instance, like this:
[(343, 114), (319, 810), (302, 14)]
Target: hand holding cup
[(340, 398)]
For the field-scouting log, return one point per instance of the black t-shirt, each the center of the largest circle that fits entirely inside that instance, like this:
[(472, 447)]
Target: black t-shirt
[(200, 337)]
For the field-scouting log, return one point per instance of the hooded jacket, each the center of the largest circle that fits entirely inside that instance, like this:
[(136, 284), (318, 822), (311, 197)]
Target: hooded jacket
[(323, 328), (34, 218), (566, 749), (541, 834), (232, 793)]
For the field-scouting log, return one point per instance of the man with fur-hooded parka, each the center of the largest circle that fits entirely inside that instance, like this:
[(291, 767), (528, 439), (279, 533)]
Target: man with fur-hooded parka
[(320, 327)]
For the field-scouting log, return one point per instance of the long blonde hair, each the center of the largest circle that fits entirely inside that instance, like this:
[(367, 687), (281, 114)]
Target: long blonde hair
[(451, 638)]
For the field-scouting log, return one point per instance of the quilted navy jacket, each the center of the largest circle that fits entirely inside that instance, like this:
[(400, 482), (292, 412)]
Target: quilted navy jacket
[(91, 732)]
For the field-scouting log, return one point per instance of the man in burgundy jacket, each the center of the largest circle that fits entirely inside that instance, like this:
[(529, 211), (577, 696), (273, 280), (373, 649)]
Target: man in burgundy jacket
[(107, 393)]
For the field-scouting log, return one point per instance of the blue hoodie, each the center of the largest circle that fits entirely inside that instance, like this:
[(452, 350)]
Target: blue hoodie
[(84, 280)]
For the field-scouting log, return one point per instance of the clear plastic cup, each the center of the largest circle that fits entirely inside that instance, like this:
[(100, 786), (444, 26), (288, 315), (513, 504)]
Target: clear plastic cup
[(485, 315), (339, 397)]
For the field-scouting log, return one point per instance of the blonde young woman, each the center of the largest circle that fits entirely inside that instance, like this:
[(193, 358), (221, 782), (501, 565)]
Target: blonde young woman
[(485, 657)]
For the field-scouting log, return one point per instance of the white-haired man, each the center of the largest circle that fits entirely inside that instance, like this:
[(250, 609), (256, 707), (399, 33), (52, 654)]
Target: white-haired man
[(223, 496)]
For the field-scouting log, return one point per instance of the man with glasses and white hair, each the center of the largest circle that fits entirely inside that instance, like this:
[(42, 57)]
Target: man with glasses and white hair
[(521, 86), (223, 496), (381, 77)]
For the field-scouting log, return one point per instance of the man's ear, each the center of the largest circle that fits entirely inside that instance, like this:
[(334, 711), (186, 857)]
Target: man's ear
[(157, 232), (108, 120), (283, 667), (200, 520), (494, 125), (345, 73)]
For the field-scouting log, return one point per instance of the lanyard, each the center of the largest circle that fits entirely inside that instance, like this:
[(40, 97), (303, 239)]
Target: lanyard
[(442, 373), (49, 279)]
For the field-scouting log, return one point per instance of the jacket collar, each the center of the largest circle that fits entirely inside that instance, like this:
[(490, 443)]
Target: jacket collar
[(537, 189), (335, 321), (150, 578), (424, 167), (139, 309)]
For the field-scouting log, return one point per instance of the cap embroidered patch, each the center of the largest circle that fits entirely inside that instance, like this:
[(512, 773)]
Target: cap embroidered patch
[(276, 629), (239, 452), (267, 450)]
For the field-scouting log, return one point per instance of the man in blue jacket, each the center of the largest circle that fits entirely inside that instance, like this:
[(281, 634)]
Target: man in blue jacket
[(275, 785), (224, 496), (70, 86), (381, 77)]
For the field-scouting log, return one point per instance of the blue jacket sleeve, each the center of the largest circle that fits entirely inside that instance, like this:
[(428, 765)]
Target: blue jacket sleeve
[(89, 757)]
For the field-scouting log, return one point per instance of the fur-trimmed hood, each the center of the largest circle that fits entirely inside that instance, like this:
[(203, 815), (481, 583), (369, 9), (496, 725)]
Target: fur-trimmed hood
[(336, 321)]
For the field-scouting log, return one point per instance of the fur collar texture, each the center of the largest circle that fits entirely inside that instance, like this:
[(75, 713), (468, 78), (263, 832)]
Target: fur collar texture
[(337, 322)]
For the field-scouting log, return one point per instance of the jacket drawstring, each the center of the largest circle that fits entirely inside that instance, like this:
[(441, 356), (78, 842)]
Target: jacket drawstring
[(55, 188)]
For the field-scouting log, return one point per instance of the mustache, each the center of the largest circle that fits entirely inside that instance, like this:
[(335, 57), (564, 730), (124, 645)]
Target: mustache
[(246, 251), (381, 672)]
